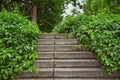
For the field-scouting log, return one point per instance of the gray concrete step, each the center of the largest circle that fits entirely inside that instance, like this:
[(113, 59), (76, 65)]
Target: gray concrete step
[(36, 79), (59, 48), (75, 55), (44, 63), (87, 78), (47, 36), (66, 42), (67, 63), (46, 55), (54, 36), (45, 48), (39, 73), (82, 73), (46, 42), (76, 63), (71, 79), (62, 48), (61, 36)]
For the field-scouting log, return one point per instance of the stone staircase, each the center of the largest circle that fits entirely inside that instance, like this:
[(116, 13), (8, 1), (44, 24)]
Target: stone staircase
[(61, 59)]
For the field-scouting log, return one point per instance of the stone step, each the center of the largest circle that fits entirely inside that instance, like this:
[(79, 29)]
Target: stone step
[(46, 42), (54, 36), (61, 36), (57, 41), (47, 36), (61, 48), (44, 63), (75, 55), (66, 42), (45, 48), (67, 73), (72, 79), (46, 55), (81, 63), (87, 78), (82, 73), (36, 79), (39, 73), (76, 63)]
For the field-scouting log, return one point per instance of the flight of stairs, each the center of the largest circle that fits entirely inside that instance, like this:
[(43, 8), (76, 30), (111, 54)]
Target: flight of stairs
[(61, 59)]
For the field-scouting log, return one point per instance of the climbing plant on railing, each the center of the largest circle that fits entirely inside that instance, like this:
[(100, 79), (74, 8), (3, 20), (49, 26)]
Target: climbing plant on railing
[(18, 38), (99, 33)]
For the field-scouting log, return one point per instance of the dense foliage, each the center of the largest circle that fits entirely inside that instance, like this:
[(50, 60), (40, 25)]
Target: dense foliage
[(46, 13), (18, 38), (99, 33), (100, 6)]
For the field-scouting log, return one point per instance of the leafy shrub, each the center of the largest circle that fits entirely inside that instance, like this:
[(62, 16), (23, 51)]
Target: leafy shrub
[(18, 38), (99, 33)]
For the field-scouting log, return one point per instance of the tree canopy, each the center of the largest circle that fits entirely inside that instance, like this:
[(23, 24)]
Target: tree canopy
[(98, 6), (45, 13)]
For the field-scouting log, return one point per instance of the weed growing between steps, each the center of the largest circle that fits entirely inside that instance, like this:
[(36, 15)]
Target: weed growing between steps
[(99, 33), (18, 38)]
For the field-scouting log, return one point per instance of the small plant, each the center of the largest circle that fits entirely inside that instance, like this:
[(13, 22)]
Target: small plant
[(18, 38)]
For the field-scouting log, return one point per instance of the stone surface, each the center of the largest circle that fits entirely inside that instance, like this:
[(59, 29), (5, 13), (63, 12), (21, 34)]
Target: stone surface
[(45, 48), (46, 41), (76, 63), (44, 63), (47, 36), (61, 36), (82, 73), (66, 41), (87, 79), (62, 48), (39, 73), (75, 55), (36, 79), (46, 55)]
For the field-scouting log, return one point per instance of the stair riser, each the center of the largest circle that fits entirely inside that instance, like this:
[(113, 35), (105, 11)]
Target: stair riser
[(83, 74), (75, 55), (44, 64), (58, 42), (66, 42), (87, 79), (37, 74), (66, 64), (61, 36), (62, 48), (67, 74), (35, 79), (54, 36), (45, 48), (47, 36), (46, 55), (76, 64), (46, 42), (70, 79)]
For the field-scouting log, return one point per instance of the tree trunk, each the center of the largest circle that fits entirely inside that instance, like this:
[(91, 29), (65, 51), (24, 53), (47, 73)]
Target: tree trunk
[(34, 13)]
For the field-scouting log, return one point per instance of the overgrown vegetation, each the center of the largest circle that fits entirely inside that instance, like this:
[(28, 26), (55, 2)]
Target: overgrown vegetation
[(99, 33), (18, 38), (102, 6)]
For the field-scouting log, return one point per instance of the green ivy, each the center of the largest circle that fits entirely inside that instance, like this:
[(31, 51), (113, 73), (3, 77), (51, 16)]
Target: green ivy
[(18, 38), (101, 34)]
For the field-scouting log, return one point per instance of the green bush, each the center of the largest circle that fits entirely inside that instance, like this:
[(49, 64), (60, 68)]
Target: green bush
[(99, 33), (18, 38)]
